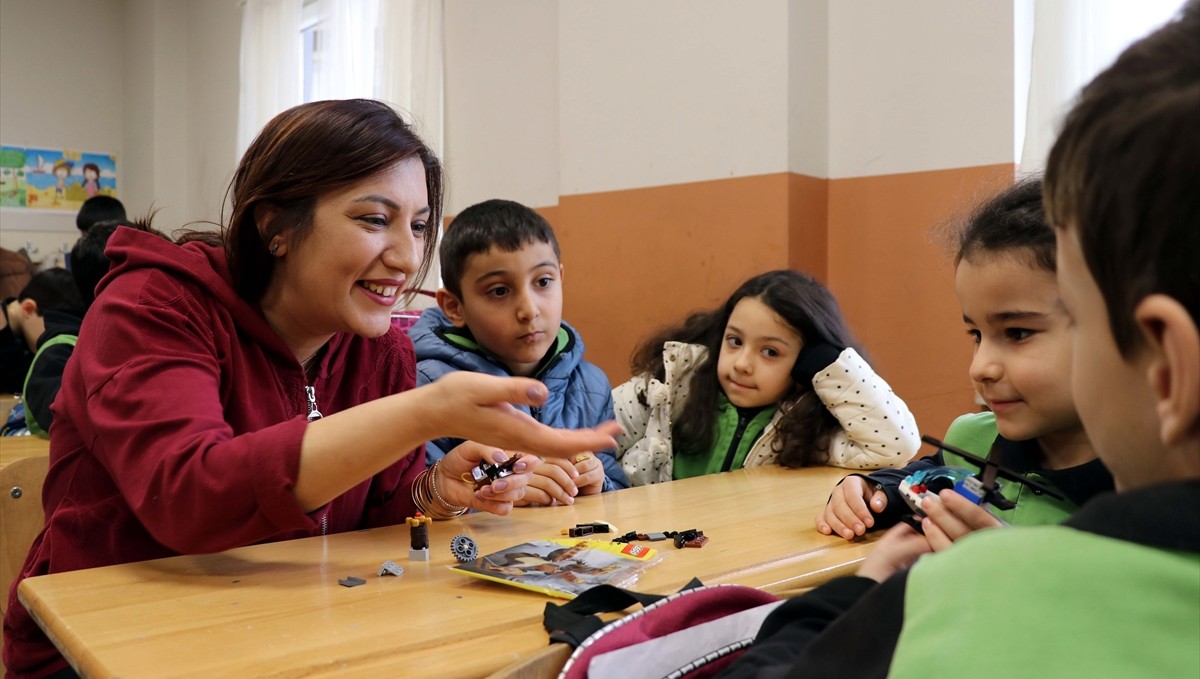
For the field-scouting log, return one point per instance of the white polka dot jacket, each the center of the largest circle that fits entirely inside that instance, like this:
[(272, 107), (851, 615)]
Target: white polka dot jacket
[(877, 428)]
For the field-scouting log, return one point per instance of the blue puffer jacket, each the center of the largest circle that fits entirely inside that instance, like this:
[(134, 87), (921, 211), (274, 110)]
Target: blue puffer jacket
[(580, 394)]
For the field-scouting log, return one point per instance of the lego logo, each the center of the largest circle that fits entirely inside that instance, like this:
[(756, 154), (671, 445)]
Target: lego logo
[(634, 550)]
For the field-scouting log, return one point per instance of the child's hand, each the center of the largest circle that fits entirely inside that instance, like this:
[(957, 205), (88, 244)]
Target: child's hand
[(895, 551), (591, 474), (559, 481), (849, 510), (498, 497), (951, 516)]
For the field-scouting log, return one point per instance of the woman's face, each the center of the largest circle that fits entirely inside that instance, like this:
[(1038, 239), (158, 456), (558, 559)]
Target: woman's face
[(350, 269), (90, 174)]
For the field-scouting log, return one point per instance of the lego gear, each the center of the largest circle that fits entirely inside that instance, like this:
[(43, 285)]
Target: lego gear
[(464, 548)]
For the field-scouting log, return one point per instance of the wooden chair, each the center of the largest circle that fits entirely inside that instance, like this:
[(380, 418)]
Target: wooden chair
[(21, 485)]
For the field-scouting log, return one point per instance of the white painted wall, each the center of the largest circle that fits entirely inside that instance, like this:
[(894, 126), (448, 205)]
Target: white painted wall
[(671, 91), (919, 86), (181, 129), (502, 102), (543, 98), (153, 81), (61, 86), (808, 87)]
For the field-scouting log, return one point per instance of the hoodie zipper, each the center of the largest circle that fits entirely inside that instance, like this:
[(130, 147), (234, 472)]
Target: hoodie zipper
[(313, 413), (733, 445)]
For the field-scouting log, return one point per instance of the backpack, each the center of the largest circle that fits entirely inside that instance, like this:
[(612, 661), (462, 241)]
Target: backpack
[(693, 633)]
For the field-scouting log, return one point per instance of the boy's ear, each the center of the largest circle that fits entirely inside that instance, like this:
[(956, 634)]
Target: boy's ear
[(452, 306), (1174, 365), (29, 308)]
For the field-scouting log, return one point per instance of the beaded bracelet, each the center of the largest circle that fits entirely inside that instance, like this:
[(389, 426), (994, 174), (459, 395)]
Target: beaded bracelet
[(455, 509), (426, 497)]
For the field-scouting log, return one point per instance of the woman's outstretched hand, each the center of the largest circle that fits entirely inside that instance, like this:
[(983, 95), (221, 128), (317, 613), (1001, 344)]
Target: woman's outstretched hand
[(479, 407)]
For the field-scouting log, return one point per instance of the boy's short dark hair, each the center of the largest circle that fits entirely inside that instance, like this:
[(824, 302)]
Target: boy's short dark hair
[(88, 261), (505, 224), (98, 209), (53, 290), (1123, 174)]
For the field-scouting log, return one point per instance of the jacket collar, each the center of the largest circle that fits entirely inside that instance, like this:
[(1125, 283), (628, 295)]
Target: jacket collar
[(1163, 516)]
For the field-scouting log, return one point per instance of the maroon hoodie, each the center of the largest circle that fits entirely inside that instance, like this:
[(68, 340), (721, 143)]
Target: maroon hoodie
[(178, 428)]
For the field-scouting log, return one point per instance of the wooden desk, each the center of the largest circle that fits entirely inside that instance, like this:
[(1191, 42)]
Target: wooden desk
[(16, 447), (277, 610)]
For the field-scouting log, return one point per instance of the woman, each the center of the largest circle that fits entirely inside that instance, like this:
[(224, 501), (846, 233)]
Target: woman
[(248, 387)]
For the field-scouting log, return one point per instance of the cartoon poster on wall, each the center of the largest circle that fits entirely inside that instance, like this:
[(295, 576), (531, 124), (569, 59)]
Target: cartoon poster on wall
[(54, 179)]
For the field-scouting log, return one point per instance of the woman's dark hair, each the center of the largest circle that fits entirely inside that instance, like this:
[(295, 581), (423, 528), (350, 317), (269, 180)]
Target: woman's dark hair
[(303, 153), (806, 425), (1012, 222)]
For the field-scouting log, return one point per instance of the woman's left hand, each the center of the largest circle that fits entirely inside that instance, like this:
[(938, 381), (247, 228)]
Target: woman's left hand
[(496, 498)]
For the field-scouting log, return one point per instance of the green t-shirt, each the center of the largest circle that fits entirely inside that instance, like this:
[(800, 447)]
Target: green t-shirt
[(737, 430)]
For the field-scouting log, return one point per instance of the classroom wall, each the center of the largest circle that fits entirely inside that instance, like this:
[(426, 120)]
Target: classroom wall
[(153, 81), (699, 143), (677, 146), (61, 75), (920, 128)]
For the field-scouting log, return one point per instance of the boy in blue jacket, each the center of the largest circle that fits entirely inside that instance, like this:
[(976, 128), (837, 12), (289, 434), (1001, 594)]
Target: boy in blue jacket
[(1115, 590), (500, 313)]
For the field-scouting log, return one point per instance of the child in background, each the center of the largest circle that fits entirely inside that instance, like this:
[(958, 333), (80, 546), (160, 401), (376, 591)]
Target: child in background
[(772, 376), (98, 209), (1004, 278), (1113, 591), (89, 263), (47, 314), (501, 314)]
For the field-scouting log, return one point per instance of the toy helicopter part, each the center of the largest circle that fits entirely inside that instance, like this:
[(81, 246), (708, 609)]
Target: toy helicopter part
[(486, 474), (989, 471)]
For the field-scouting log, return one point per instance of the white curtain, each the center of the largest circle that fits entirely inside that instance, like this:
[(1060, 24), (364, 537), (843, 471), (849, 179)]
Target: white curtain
[(411, 66), (389, 50), (1073, 40), (270, 71), (348, 32)]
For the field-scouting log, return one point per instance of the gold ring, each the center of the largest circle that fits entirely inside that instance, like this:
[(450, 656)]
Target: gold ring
[(581, 457)]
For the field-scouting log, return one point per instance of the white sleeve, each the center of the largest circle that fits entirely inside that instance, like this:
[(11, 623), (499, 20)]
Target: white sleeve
[(877, 428), (630, 413)]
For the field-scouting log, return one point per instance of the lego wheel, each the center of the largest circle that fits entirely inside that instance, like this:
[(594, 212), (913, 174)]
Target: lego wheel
[(464, 548)]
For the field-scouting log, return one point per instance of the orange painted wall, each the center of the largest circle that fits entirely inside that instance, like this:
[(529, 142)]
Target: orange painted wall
[(640, 259), (896, 282)]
